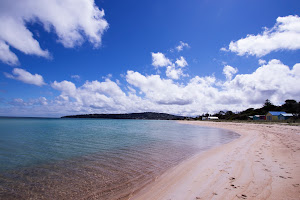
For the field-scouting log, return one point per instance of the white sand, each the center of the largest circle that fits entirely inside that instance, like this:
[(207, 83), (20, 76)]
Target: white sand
[(264, 163)]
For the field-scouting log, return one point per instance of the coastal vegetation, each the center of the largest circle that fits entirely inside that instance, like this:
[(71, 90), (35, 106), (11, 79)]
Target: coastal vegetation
[(144, 115), (290, 106)]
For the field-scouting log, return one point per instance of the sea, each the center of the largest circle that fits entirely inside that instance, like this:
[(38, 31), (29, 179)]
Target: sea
[(44, 158)]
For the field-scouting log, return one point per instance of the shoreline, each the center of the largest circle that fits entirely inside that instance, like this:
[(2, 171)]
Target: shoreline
[(264, 163)]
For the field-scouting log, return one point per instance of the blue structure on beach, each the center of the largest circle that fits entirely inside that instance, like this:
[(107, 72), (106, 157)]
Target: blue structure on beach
[(273, 115), (285, 116)]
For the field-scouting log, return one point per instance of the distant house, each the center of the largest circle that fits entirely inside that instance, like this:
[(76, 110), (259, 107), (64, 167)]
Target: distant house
[(210, 118), (273, 115), (285, 116), (213, 118), (259, 117)]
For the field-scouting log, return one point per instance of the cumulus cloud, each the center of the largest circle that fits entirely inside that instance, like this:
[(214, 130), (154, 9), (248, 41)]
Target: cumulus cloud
[(261, 62), (229, 71), (6, 55), (272, 80), (181, 62), (156, 89), (160, 60), (26, 77), (66, 87), (173, 72), (181, 46), (92, 94), (71, 20), (284, 35)]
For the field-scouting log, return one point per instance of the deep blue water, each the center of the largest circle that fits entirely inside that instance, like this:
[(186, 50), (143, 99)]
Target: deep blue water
[(93, 158)]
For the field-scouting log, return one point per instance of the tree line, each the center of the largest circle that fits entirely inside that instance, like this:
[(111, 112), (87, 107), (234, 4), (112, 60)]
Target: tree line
[(290, 106)]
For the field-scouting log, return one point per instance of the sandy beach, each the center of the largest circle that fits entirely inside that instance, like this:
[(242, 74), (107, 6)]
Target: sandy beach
[(264, 163)]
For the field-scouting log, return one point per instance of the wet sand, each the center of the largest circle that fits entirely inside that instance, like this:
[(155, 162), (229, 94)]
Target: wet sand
[(264, 163)]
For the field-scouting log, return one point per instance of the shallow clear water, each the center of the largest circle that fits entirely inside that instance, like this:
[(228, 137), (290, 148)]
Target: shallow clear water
[(93, 158)]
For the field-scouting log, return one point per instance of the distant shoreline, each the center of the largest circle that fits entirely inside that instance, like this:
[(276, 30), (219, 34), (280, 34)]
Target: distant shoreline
[(144, 115)]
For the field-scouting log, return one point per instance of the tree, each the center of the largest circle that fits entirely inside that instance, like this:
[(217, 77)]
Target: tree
[(290, 101), (268, 106), (229, 112), (290, 106), (268, 103)]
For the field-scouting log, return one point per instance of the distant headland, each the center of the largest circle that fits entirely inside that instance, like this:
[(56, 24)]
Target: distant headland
[(143, 115)]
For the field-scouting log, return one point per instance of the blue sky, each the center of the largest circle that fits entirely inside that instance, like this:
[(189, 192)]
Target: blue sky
[(71, 58)]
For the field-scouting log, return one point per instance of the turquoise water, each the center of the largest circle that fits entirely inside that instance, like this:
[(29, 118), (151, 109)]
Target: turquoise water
[(93, 158)]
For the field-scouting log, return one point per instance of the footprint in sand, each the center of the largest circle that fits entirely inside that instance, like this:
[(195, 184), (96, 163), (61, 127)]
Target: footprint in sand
[(243, 196)]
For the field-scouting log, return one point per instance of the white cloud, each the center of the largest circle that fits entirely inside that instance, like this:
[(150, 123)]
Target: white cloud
[(18, 102), (6, 55), (14, 32), (181, 62), (160, 60), (261, 62), (26, 77), (42, 101), (229, 71), (71, 20), (92, 94), (181, 46), (224, 49), (274, 81), (285, 35), (77, 77), (173, 72), (30, 104), (66, 87), (158, 90)]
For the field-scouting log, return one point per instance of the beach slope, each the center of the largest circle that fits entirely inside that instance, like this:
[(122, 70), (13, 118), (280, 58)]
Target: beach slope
[(264, 163)]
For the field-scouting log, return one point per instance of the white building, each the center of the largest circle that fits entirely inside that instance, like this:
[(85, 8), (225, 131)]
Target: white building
[(210, 118)]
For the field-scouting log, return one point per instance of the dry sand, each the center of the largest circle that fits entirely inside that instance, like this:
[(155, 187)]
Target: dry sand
[(264, 163)]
